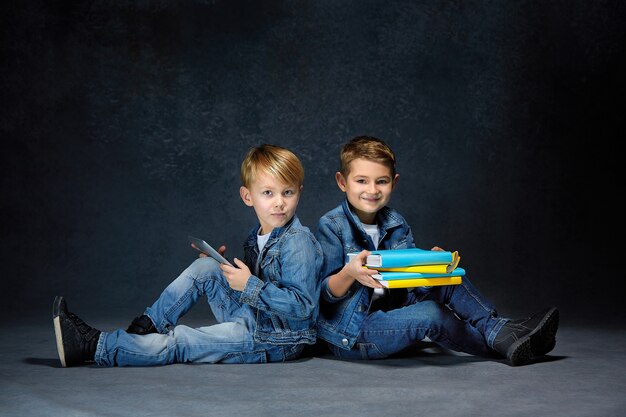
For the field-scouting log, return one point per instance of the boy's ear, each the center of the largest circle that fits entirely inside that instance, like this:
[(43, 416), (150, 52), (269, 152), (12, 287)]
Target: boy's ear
[(245, 196), (394, 182), (341, 181)]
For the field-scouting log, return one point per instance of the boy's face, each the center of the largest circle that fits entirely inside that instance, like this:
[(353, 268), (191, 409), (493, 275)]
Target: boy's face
[(273, 201), (368, 187)]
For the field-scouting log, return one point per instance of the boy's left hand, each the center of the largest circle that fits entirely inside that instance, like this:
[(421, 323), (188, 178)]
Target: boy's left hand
[(236, 277)]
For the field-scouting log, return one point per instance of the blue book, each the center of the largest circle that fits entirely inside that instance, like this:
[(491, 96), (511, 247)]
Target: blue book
[(394, 276), (397, 258)]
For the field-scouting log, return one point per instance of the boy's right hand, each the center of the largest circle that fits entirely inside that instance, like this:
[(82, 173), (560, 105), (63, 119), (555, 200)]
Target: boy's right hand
[(339, 283), (355, 269)]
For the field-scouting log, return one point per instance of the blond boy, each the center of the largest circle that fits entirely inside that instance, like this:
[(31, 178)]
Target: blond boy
[(266, 305)]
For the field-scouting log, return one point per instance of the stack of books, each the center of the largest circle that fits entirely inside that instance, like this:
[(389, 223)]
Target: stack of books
[(408, 268)]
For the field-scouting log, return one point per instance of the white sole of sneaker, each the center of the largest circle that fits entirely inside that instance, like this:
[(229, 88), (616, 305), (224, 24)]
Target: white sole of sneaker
[(57, 332)]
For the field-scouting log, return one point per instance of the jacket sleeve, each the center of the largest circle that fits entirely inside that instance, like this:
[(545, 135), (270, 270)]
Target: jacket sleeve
[(328, 235), (294, 291)]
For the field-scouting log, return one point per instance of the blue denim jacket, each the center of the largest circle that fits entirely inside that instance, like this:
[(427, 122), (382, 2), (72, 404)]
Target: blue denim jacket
[(286, 291), (339, 232)]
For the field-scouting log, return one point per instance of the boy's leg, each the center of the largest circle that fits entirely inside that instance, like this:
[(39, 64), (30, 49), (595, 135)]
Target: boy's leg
[(183, 344), (202, 277), (467, 303), (388, 332), (532, 336), (228, 342)]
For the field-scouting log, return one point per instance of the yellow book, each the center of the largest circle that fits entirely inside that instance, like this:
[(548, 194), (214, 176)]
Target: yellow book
[(421, 282)]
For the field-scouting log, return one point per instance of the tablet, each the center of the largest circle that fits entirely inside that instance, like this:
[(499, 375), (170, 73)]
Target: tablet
[(204, 247)]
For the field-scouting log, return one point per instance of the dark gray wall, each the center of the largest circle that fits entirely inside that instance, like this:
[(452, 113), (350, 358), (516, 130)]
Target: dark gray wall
[(123, 126)]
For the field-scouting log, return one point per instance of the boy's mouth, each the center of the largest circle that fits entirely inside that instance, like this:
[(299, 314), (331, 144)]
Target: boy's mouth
[(371, 199)]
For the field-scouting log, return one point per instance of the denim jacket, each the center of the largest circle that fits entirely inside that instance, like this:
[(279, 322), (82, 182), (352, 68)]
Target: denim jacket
[(286, 290), (339, 232)]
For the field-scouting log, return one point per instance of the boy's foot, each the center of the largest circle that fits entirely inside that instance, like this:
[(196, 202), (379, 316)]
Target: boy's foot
[(544, 339), (76, 341), (520, 340), (142, 325)]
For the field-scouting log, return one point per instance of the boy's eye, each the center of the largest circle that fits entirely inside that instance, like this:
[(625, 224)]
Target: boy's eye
[(289, 192), (361, 181), (266, 192), (383, 182)]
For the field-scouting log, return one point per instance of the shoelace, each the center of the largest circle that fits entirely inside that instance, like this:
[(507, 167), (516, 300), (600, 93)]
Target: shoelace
[(85, 329)]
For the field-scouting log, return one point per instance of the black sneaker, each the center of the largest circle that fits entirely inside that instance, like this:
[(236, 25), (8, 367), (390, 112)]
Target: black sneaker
[(142, 325), (543, 340), (76, 341), (520, 340)]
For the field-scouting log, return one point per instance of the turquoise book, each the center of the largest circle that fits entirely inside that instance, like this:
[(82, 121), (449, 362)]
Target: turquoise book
[(398, 258), (393, 276)]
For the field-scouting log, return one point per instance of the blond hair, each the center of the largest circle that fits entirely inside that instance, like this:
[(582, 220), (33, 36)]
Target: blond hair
[(278, 162), (369, 148)]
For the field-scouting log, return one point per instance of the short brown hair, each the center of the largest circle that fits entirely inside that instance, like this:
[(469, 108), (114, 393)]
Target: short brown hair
[(272, 160), (369, 148)]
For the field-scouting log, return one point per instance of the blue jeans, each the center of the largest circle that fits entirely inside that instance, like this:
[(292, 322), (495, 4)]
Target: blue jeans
[(456, 317), (230, 341)]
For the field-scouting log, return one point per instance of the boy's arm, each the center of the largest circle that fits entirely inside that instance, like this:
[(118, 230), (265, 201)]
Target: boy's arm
[(340, 283), (339, 276), (296, 295)]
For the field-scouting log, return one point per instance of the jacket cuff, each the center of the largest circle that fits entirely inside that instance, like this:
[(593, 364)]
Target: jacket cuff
[(250, 293)]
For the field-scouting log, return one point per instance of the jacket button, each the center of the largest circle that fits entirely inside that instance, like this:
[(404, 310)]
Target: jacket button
[(344, 342)]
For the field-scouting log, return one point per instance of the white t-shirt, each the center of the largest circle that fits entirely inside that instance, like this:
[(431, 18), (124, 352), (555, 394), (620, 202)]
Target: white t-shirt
[(374, 232)]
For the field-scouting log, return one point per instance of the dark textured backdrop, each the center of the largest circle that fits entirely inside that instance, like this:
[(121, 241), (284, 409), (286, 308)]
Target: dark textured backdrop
[(123, 126)]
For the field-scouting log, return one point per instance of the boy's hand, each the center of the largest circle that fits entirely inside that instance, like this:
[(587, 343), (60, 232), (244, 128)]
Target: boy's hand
[(438, 249), (221, 251), (355, 270), (236, 277)]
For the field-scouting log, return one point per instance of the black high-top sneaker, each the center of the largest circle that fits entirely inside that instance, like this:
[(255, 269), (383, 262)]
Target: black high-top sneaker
[(142, 325), (543, 339), (76, 341), (520, 340)]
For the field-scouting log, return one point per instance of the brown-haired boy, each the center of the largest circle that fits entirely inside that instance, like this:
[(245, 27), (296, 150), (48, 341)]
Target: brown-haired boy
[(360, 320)]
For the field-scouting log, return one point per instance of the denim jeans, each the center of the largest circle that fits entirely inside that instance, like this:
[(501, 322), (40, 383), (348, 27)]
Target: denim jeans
[(456, 317), (230, 341)]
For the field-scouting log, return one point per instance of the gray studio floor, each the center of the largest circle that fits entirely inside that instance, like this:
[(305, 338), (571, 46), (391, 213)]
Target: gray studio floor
[(584, 376)]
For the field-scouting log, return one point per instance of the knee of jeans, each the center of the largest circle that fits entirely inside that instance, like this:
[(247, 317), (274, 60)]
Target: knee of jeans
[(434, 311), (204, 266)]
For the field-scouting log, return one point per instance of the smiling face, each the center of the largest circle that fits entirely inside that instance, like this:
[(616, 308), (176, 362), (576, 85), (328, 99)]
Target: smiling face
[(368, 187), (274, 202)]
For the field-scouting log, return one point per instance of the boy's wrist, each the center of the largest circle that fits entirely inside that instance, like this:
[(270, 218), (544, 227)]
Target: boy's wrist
[(344, 276)]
